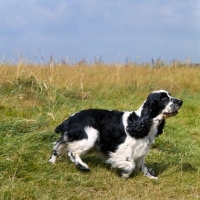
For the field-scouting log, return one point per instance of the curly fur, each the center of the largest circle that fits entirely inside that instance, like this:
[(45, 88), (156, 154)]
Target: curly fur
[(124, 137), (138, 127)]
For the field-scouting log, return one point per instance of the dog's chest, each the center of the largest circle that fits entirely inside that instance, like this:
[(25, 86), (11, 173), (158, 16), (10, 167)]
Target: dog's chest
[(132, 148), (139, 147)]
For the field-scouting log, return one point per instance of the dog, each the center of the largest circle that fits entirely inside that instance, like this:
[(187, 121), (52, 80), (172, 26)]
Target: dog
[(124, 137)]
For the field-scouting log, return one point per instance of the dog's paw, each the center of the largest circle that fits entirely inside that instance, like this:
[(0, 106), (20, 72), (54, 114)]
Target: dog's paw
[(125, 175), (83, 167), (52, 159), (154, 177), (150, 176), (151, 171)]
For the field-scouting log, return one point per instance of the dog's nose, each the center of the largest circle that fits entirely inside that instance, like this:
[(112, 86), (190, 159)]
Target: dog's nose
[(179, 102)]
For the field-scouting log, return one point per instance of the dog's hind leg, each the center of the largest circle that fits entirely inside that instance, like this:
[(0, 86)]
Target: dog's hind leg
[(80, 164), (75, 150), (80, 147), (57, 149), (71, 156)]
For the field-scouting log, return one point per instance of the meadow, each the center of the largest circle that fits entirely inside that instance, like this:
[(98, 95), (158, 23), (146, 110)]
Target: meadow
[(34, 99)]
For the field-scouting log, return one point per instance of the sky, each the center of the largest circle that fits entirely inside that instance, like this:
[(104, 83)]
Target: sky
[(107, 30)]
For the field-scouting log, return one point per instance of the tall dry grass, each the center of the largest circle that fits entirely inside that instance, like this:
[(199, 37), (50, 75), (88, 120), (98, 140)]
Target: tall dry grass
[(168, 77)]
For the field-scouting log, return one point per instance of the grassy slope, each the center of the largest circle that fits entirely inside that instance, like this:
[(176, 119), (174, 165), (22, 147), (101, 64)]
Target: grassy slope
[(35, 99)]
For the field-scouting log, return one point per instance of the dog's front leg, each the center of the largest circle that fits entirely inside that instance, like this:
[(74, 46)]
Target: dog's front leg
[(148, 172)]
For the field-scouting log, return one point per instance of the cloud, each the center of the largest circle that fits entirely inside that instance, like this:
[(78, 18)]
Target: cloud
[(90, 28)]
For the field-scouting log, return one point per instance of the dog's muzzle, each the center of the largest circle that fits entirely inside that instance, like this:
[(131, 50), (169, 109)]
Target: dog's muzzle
[(177, 103)]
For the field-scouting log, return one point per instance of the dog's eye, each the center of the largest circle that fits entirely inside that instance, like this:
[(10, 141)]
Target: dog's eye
[(164, 98)]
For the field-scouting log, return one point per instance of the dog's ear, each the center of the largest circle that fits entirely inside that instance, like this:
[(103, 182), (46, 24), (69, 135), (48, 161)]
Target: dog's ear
[(149, 108), (139, 128), (160, 128)]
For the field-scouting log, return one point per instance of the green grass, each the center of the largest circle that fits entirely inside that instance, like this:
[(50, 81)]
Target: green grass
[(35, 99)]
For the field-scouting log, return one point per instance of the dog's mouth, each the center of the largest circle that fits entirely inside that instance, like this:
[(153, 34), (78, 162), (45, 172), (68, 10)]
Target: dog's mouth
[(167, 115)]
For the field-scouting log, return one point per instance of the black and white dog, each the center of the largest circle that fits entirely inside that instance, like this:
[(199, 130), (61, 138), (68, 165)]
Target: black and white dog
[(125, 137)]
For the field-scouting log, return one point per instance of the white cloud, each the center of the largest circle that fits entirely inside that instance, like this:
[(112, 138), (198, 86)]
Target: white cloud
[(91, 28)]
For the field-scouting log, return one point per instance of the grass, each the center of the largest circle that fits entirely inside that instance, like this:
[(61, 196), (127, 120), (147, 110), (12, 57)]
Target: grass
[(34, 99)]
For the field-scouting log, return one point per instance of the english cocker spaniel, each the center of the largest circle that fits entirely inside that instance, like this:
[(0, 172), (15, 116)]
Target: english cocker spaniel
[(124, 137)]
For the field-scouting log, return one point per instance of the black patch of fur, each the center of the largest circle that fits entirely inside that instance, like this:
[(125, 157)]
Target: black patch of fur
[(71, 127), (161, 128), (155, 103), (108, 123), (139, 127)]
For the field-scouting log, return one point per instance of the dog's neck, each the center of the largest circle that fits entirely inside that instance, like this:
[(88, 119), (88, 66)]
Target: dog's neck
[(158, 119), (154, 127)]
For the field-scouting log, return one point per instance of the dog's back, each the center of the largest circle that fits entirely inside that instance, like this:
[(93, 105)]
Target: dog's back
[(108, 125)]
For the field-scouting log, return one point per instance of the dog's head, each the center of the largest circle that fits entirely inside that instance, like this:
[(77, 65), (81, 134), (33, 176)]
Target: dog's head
[(162, 103), (158, 106)]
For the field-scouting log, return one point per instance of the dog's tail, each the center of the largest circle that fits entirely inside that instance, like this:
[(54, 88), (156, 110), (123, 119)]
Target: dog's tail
[(59, 128), (62, 129)]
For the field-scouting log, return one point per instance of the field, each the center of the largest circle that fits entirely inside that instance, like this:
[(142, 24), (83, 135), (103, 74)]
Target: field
[(34, 99)]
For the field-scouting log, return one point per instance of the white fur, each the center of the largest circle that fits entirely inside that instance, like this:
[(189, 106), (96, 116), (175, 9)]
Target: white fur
[(131, 154), (84, 145), (124, 119), (81, 147)]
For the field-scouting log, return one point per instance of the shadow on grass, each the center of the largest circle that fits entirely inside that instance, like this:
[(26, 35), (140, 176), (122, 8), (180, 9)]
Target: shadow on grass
[(161, 167), (158, 168), (97, 162)]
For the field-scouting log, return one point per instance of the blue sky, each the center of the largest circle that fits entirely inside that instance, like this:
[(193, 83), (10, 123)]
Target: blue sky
[(111, 29)]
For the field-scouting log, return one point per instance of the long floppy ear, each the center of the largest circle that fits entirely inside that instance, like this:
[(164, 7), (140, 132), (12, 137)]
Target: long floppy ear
[(139, 127), (149, 108)]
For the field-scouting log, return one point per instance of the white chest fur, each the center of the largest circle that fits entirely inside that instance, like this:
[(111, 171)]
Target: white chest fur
[(134, 150)]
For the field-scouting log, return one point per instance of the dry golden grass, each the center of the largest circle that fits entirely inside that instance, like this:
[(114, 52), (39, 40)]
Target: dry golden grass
[(80, 76)]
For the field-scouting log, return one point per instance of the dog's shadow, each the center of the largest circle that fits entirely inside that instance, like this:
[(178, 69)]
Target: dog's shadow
[(95, 160), (161, 167), (158, 168), (99, 161)]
